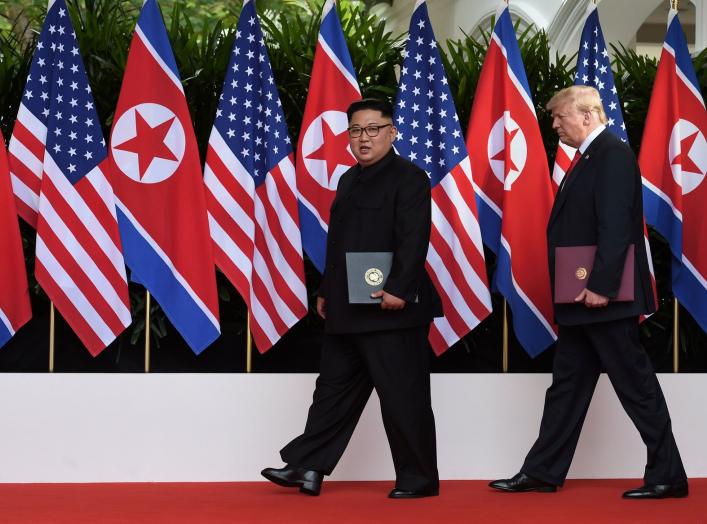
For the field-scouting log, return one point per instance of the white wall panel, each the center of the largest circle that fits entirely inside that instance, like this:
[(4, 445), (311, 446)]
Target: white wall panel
[(219, 427)]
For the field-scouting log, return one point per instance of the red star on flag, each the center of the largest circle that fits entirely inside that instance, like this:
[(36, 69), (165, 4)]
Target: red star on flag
[(334, 150), (683, 158), (148, 143), (505, 153)]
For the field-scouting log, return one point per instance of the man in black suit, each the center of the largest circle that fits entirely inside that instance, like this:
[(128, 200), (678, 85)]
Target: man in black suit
[(599, 203), (382, 204)]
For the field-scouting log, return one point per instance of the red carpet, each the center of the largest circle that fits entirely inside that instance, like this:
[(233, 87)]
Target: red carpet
[(581, 501)]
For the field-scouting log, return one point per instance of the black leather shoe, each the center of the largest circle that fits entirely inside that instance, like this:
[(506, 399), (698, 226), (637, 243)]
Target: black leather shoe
[(658, 491), (413, 493), (307, 480), (522, 482)]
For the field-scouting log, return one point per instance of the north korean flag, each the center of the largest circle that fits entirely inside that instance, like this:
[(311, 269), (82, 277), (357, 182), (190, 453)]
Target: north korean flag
[(14, 294), (160, 197), (323, 152), (673, 161), (514, 195)]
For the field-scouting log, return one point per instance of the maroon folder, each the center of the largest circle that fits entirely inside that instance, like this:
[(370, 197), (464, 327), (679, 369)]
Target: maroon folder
[(573, 265)]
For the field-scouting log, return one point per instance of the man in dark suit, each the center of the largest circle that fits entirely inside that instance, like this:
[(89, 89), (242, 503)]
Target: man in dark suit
[(599, 203), (382, 204)]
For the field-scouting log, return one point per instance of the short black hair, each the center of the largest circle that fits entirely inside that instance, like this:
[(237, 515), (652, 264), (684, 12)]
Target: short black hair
[(375, 104)]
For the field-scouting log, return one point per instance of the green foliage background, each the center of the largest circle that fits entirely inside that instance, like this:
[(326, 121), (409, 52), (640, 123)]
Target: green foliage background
[(202, 38)]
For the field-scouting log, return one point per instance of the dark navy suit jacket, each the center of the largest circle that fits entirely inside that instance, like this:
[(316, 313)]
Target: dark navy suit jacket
[(601, 204)]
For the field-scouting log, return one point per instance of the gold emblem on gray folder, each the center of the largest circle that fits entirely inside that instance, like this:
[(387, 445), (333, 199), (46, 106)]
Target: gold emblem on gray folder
[(581, 273), (373, 276)]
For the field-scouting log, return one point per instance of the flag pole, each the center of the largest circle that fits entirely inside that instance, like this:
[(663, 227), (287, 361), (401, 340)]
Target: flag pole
[(51, 337), (505, 336), (676, 335), (248, 348), (147, 331), (676, 305)]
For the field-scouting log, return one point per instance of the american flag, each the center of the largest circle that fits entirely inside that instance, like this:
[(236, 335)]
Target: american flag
[(56, 160), (252, 196), (593, 69), (323, 150), (429, 134)]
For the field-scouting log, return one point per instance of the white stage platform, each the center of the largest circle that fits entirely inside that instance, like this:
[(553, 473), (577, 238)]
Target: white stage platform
[(218, 427)]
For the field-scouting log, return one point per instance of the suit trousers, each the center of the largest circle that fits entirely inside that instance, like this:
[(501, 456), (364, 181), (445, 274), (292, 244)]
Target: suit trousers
[(396, 363), (582, 353)]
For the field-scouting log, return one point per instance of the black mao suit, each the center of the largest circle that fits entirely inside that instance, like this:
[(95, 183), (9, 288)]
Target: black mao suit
[(600, 203), (383, 207)]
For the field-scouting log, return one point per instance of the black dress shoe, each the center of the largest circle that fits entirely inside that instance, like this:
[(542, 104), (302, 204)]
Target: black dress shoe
[(307, 480), (522, 482), (658, 491), (413, 493)]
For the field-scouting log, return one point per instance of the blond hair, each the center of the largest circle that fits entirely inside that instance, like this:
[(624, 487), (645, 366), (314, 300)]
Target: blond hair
[(583, 98)]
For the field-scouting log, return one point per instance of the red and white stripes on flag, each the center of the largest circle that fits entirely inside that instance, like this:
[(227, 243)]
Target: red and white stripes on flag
[(429, 134), (252, 197), (56, 157), (26, 152), (455, 259), (563, 159), (79, 262)]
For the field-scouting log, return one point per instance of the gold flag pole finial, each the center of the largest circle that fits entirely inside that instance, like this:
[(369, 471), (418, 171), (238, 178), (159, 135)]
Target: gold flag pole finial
[(505, 336), (147, 331), (674, 4), (248, 348), (51, 337)]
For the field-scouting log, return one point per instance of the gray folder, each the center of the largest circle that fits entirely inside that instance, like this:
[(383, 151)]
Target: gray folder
[(366, 273)]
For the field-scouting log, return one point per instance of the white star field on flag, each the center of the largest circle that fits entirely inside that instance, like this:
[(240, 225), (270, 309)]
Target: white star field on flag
[(429, 133), (594, 69), (249, 115), (58, 94)]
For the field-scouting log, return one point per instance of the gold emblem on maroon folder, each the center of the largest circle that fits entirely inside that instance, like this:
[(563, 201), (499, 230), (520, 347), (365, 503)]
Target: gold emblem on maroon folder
[(373, 276), (581, 273), (573, 266)]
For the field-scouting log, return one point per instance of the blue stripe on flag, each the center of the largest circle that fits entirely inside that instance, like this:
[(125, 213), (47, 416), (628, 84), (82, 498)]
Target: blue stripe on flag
[(333, 35), (686, 287), (659, 213), (507, 34), (490, 224), (690, 292), (5, 334), (314, 242), (675, 38), (152, 26), (528, 328), (150, 270)]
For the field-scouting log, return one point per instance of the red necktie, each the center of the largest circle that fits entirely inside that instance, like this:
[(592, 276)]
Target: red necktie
[(575, 159)]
